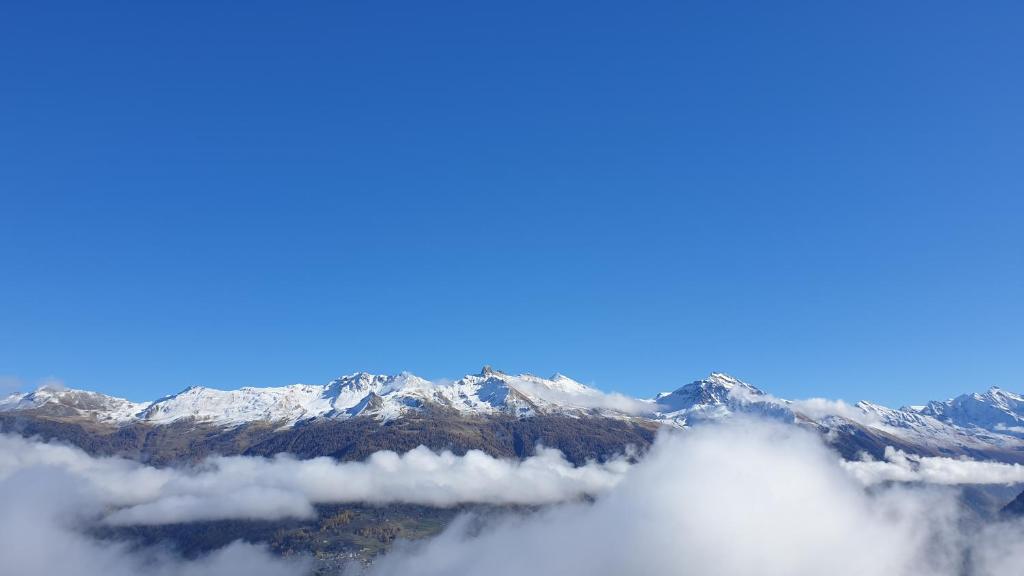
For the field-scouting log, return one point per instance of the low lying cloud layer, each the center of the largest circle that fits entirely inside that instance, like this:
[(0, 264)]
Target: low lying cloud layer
[(739, 498), (899, 466), (43, 510), (732, 500), (281, 487)]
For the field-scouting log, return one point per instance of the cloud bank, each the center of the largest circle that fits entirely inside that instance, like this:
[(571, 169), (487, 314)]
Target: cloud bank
[(738, 498), (281, 487), (899, 466), (43, 509), (731, 500)]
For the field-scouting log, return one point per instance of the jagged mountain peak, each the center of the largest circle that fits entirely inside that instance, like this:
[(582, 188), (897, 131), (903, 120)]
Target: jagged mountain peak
[(723, 379), (717, 396), (488, 370), (991, 418), (717, 388), (1003, 396), (382, 396), (995, 410), (358, 379)]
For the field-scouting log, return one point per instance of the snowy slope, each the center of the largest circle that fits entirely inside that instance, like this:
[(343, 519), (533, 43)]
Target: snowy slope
[(971, 421), (70, 403), (383, 397), (717, 396), (924, 430), (997, 411), (341, 398), (720, 396)]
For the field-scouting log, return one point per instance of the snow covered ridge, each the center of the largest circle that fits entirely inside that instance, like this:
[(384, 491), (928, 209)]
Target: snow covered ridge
[(995, 418), (383, 397)]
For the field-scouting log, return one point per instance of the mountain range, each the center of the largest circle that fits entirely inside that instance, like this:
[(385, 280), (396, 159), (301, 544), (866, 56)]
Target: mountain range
[(499, 413)]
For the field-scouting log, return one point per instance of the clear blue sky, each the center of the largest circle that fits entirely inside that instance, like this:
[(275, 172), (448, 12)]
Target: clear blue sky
[(822, 198)]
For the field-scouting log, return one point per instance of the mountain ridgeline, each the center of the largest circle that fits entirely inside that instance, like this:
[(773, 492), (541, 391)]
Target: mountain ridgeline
[(501, 414)]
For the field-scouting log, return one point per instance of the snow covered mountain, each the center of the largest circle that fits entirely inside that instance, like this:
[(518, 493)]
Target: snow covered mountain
[(972, 424), (968, 424), (717, 396), (74, 403), (997, 411), (383, 397)]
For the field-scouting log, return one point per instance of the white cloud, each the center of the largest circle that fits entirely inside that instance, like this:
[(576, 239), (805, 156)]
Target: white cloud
[(10, 384), (738, 498), (262, 488), (52, 383), (730, 500), (43, 509), (820, 408), (899, 466), (814, 408), (588, 398)]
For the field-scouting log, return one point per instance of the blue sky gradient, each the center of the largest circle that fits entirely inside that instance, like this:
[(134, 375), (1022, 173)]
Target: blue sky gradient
[(819, 198)]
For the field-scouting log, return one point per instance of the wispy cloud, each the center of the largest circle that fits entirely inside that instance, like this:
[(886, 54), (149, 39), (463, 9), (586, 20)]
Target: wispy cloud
[(9, 384), (815, 408), (819, 408), (589, 398), (52, 383)]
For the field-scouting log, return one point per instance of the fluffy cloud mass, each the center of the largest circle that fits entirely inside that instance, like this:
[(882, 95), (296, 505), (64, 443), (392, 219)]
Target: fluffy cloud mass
[(50, 493), (742, 498), (43, 509), (262, 488), (899, 466), (733, 500)]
